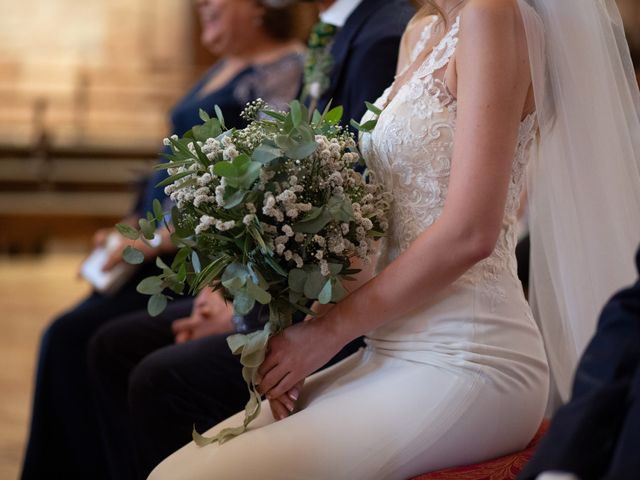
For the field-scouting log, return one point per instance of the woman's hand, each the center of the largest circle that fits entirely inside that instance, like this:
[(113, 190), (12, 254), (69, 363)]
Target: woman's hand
[(295, 354), (284, 405), (211, 315)]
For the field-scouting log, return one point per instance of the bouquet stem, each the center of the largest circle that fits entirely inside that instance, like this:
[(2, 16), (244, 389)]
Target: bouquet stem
[(252, 349)]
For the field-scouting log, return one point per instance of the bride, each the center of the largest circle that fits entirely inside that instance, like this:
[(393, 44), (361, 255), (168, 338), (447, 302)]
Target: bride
[(455, 369)]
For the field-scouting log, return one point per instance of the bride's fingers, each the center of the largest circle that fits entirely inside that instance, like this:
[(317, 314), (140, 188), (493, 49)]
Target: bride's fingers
[(267, 365), (271, 379), (285, 385), (278, 409)]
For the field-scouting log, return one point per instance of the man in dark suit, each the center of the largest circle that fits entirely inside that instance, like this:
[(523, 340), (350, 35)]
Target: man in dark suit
[(596, 435), (151, 390)]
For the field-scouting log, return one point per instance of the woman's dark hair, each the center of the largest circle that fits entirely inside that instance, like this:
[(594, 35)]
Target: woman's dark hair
[(280, 23)]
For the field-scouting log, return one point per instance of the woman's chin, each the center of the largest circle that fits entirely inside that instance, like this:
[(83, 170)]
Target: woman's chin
[(212, 42)]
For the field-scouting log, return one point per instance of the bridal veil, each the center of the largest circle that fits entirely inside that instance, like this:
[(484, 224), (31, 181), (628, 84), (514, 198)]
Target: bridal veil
[(584, 183)]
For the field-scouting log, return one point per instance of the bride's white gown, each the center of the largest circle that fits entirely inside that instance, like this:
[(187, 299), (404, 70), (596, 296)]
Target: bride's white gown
[(460, 380)]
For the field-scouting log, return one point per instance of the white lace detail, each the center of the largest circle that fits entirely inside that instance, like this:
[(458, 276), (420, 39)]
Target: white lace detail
[(411, 149), (420, 45)]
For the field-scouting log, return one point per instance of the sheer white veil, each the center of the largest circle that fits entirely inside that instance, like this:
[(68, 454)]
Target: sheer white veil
[(584, 185)]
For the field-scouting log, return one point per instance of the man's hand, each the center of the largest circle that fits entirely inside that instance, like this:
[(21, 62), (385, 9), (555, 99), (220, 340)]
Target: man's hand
[(211, 315)]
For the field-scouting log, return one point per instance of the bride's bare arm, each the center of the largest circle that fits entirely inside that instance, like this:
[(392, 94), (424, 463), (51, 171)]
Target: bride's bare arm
[(493, 82)]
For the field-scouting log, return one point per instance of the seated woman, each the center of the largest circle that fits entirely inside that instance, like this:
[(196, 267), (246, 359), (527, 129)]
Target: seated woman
[(259, 57)]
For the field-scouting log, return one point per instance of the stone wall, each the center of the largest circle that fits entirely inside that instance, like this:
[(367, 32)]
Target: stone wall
[(94, 71)]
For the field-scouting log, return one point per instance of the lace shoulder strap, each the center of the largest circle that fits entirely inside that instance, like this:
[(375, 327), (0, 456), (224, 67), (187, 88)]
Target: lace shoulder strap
[(420, 45), (442, 52)]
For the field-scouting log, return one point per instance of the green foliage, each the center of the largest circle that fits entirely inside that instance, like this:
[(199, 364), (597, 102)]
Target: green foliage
[(222, 181), (128, 231), (132, 255)]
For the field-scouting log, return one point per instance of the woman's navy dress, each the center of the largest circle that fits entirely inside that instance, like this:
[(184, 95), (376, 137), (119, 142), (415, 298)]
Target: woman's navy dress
[(64, 437)]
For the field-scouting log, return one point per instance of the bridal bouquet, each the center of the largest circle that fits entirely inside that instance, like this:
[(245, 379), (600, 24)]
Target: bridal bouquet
[(272, 213)]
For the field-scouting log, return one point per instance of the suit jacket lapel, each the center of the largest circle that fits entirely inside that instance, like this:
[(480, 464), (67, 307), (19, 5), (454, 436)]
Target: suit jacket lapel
[(345, 37)]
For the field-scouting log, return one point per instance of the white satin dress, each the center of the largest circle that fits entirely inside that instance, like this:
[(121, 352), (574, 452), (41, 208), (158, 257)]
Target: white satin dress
[(460, 380)]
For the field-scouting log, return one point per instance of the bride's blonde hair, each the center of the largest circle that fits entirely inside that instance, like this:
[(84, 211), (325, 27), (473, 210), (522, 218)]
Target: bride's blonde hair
[(427, 7)]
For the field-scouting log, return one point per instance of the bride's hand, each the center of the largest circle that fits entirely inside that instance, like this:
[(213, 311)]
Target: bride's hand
[(284, 405), (295, 354)]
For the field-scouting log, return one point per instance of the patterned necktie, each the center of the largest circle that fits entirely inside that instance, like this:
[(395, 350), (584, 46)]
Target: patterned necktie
[(319, 62)]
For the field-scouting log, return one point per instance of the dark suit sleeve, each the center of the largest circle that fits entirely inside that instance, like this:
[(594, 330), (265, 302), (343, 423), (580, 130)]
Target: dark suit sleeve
[(371, 70), (586, 432)]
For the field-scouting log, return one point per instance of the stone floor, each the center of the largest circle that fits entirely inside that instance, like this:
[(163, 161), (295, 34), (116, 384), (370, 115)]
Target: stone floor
[(32, 290)]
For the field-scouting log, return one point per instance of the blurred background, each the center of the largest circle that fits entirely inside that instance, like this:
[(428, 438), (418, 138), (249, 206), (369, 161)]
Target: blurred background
[(85, 87)]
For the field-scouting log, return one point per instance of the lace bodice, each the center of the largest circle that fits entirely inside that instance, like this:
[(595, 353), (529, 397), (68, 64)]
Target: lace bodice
[(411, 149)]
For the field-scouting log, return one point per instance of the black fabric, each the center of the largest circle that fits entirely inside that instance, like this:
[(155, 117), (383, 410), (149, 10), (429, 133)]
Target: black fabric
[(596, 435), (64, 433), (365, 53), (168, 388)]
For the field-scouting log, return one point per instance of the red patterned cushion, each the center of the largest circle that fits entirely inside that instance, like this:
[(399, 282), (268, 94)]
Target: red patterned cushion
[(503, 468)]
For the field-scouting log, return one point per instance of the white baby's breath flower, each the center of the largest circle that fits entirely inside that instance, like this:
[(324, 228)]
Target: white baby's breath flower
[(298, 259), (288, 231), (248, 219), (205, 179), (324, 268), (224, 226), (205, 223), (319, 240)]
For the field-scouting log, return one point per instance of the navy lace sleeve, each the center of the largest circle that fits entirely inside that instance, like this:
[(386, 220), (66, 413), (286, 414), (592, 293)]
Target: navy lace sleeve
[(277, 83)]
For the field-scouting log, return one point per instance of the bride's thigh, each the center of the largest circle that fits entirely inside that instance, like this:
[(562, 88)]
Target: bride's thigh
[(370, 417)]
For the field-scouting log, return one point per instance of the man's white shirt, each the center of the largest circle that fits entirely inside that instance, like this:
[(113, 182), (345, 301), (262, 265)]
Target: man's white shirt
[(338, 13)]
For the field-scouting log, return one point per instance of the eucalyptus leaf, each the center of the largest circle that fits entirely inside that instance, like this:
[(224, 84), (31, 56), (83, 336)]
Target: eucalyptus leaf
[(204, 116), (150, 286), (366, 127), (226, 169), (297, 279), (233, 200), (296, 113), (157, 304), (220, 116), (195, 261), (157, 209), (372, 108), (261, 295), (132, 255), (326, 293), (210, 129), (128, 231), (235, 276), (180, 257), (314, 225), (334, 116), (147, 228), (243, 302), (266, 153), (281, 117), (341, 209), (250, 175), (314, 284)]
